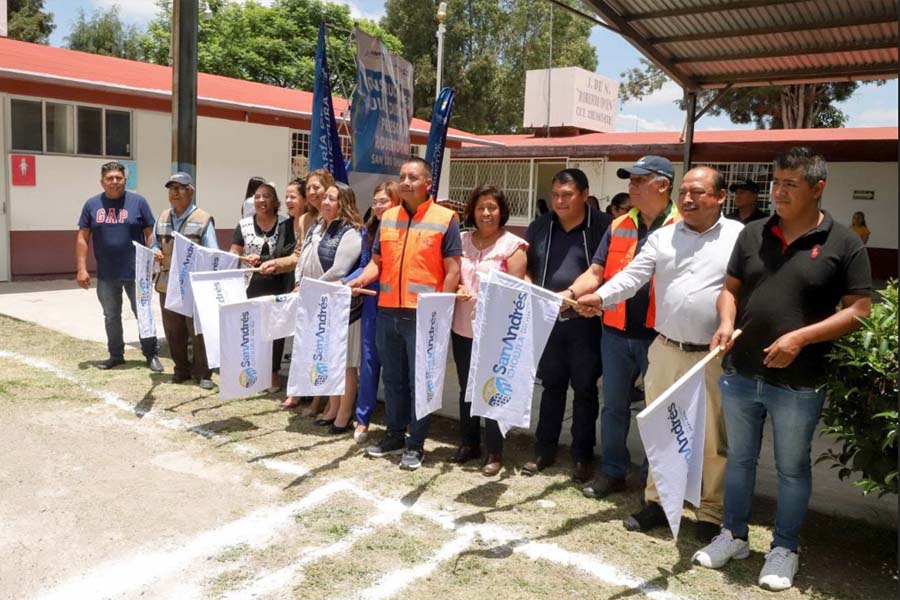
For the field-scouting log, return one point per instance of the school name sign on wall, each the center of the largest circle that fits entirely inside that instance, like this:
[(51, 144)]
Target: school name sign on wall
[(578, 98)]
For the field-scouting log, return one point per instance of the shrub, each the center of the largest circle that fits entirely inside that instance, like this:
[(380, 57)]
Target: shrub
[(861, 411)]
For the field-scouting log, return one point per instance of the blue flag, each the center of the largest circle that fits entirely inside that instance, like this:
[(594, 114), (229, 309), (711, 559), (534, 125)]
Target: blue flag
[(437, 136), (324, 143)]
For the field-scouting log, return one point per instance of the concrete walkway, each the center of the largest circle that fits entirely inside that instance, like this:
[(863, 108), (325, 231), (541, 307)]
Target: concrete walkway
[(62, 306)]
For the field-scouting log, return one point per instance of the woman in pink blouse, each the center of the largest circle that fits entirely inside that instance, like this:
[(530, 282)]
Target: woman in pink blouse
[(488, 246)]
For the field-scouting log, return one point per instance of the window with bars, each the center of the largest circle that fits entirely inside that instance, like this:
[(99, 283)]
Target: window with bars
[(511, 176), (300, 152), (761, 173)]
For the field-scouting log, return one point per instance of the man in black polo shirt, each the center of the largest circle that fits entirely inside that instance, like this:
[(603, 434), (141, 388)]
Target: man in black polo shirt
[(746, 209), (560, 246), (784, 279)]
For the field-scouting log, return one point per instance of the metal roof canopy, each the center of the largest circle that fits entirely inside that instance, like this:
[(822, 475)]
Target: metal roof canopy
[(718, 44), (708, 44)]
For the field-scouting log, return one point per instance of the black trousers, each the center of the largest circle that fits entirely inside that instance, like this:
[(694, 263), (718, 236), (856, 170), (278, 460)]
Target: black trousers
[(571, 357), (471, 426)]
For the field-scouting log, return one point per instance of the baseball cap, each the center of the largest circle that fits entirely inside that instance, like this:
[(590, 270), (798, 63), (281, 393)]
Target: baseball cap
[(747, 184), (649, 164), (180, 178)]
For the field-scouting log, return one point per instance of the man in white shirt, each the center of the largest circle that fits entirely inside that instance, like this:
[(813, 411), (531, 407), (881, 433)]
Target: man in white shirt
[(687, 262)]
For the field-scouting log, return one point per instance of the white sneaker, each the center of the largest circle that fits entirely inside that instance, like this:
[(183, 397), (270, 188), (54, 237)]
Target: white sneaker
[(778, 572), (723, 548)]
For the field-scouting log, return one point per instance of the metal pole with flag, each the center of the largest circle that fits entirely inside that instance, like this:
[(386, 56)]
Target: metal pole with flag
[(437, 136), (325, 145)]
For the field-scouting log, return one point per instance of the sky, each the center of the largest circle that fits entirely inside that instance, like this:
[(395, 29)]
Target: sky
[(870, 106)]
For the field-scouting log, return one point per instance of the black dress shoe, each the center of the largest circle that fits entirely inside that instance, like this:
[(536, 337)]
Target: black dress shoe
[(536, 466), (154, 364), (650, 518), (324, 422), (179, 378), (582, 472), (602, 486), (338, 430), (706, 531), (466, 453), (111, 363)]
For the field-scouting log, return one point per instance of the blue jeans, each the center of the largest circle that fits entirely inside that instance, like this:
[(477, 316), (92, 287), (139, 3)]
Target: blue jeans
[(109, 292), (395, 337), (369, 362), (624, 358), (795, 411)]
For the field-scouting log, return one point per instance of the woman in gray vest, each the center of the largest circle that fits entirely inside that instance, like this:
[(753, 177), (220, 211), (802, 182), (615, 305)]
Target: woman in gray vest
[(259, 238), (330, 252)]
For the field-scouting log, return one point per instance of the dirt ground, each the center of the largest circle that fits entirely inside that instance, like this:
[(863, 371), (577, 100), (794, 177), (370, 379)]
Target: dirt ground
[(118, 484)]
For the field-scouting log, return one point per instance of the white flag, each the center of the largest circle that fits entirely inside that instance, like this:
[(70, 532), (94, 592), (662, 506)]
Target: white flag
[(212, 289), (673, 430), (143, 290), (279, 315), (513, 320), (434, 317), (246, 358), (319, 355), (188, 257)]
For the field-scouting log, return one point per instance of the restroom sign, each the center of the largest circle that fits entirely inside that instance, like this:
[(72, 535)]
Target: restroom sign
[(23, 169)]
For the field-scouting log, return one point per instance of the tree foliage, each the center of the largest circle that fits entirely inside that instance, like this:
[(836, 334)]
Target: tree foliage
[(800, 106), (105, 33), (273, 44), (27, 21), (861, 411), (488, 47)]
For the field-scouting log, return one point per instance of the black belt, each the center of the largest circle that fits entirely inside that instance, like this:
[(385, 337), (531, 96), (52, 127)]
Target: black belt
[(684, 346)]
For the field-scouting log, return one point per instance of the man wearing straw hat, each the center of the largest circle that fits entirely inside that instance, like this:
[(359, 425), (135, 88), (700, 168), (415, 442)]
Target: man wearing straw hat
[(687, 262)]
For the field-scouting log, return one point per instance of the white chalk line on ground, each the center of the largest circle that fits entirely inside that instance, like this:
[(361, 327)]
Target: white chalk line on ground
[(261, 525)]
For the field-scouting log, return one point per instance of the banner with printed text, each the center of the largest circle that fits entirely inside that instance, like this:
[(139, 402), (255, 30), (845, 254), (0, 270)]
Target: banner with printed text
[(188, 257), (673, 430), (319, 355), (434, 317), (212, 290), (246, 357), (382, 108), (513, 320), (324, 143), (143, 290)]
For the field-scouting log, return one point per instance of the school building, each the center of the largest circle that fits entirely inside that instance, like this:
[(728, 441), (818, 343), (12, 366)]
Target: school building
[(65, 113), (862, 169)]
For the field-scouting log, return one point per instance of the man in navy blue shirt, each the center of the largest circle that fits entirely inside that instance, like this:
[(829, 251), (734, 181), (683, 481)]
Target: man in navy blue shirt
[(113, 220)]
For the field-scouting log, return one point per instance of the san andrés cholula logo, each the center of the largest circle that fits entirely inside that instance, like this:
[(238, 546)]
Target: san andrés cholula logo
[(248, 375), (318, 374), (497, 390), (680, 428), (429, 357)]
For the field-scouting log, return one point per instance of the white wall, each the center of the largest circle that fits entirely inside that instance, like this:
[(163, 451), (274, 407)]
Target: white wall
[(881, 213), (231, 152), (228, 154)]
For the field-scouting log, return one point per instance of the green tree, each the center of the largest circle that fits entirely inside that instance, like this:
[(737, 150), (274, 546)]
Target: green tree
[(273, 44), (28, 21), (488, 47), (798, 106), (105, 33)]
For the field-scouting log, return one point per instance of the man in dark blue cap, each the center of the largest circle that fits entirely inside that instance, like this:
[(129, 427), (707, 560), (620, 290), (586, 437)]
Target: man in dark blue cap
[(746, 194), (198, 226), (627, 326)]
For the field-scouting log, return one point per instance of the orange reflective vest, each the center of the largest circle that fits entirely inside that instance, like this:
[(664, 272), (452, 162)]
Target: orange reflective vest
[(411, 258), (623, 241)]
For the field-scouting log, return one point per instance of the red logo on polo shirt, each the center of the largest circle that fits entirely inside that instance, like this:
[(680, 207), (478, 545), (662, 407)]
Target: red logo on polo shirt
[(815, 251)]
